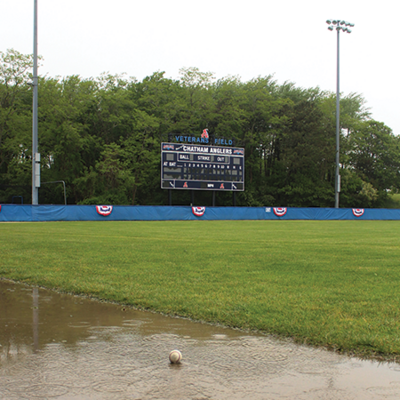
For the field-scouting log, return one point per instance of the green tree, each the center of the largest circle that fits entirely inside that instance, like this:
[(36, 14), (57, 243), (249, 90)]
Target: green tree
[(15, 125), (374, 155), (111, 181)]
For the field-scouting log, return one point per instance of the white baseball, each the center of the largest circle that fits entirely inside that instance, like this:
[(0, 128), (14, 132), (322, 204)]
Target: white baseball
[(175, 357)]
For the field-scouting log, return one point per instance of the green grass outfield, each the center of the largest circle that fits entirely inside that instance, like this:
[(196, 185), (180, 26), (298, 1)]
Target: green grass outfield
[(334, 284)]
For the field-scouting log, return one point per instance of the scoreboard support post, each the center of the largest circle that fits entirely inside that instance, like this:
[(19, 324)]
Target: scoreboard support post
[(234, 199), (213, 198)]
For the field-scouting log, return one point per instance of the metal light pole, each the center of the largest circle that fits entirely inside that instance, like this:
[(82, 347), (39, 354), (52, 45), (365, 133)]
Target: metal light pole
[(339, 26), (35, 154)]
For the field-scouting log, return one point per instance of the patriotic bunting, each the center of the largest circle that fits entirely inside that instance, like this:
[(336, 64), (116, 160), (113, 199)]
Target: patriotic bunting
[(358, 212), (280, 211), (198, 211), (104, 210)]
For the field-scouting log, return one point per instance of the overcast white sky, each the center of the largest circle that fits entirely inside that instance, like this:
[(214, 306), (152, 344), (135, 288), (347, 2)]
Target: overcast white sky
[(287, 38)]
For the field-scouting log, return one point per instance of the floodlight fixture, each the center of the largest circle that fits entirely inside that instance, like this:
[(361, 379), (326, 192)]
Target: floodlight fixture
[(338, 24)]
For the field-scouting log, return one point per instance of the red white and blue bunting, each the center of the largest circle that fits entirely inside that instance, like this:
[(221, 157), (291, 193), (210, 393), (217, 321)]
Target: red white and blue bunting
[(280, 211), (198, 211), (358, 212), (104, 210)]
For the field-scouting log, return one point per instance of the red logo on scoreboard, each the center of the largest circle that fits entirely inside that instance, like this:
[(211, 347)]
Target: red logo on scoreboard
[(222, 186), (358, 212), (205, 134), (185, 185), (280, 211)]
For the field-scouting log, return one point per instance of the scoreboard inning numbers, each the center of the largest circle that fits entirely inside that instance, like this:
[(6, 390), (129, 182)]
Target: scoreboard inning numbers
[(196, 167)]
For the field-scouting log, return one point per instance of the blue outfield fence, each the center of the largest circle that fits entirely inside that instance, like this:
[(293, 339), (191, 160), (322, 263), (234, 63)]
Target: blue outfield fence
[(42, 213)]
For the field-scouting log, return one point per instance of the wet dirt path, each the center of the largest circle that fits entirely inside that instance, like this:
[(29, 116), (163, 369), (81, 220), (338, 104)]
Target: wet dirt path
[(55, 346)]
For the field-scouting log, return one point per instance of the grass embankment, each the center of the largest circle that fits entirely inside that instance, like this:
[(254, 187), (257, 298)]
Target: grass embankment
[(331, 283)]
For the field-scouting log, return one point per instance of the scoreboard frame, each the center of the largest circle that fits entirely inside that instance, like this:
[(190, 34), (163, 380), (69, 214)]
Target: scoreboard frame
[(198, 167)]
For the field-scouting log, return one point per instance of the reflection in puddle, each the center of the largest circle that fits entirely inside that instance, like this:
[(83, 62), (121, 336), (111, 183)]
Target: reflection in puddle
[(66, 347)]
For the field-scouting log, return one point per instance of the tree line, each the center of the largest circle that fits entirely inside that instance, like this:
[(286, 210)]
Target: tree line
[(102, 136)]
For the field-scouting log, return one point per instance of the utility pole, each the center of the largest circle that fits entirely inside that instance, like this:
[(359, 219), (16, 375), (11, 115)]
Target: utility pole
[(35, 154)]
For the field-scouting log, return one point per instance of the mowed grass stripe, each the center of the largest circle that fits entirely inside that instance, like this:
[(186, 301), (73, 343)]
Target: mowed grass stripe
[(327, 283)]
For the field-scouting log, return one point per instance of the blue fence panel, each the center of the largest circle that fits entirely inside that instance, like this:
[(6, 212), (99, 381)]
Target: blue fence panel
[(15, 213), (38, 213)]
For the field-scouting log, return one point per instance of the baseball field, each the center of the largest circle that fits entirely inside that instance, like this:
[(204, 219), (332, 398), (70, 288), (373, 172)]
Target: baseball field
[(333, 284)]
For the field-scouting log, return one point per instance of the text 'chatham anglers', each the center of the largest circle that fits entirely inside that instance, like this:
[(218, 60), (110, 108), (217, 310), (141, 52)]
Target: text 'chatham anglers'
[(207, 149)]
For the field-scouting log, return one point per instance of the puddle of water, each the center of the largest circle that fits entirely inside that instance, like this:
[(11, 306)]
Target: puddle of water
[(55, 346)]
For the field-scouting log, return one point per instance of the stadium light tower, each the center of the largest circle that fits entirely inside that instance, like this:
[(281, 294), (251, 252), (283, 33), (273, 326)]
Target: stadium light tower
[(339, 26), (35, 154)]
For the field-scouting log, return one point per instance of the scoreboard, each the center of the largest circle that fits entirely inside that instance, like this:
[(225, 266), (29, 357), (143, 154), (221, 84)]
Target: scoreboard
[(197, 167)]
